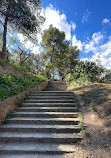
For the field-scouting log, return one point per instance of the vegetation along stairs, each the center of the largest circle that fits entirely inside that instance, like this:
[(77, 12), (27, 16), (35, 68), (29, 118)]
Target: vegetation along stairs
[(46, 123)]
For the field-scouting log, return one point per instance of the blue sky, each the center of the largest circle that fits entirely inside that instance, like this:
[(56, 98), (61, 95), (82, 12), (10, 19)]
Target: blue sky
[(87, 24)]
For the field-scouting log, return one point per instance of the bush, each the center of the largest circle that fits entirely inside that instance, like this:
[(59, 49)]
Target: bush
[(19, 68), (11, 84), (2, 62), (81, 80)]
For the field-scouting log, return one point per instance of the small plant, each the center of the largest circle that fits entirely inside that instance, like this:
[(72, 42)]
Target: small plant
[(8, 115), (19, 102), (11, 84), (80, 117), (86, 135), (2, 62), (26, 96)]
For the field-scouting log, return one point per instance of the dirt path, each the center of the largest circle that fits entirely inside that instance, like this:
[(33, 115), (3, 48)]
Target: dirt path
[(97, 134), (95, 104)]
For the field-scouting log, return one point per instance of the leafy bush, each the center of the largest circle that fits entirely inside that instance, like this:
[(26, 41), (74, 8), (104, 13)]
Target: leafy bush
[(2, 62), (85, 73), (107, 77), (19, 68), (11, 84), (82, 80)]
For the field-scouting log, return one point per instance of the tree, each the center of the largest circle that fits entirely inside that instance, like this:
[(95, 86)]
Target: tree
[(20, 13), (66, 59), (85, 72), (19, 50), (51, 41), (59, 53)]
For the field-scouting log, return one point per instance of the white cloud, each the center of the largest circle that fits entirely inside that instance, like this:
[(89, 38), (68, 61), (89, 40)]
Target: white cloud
[(94, 42), (52, 16), (76, 42), (84, 59), (29, 45), (101, 51), (58, 20), (86, 16), (73, 26), (105, 21)]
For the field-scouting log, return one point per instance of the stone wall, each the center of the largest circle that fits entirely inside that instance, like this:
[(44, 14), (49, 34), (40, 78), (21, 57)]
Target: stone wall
[(11, 103)]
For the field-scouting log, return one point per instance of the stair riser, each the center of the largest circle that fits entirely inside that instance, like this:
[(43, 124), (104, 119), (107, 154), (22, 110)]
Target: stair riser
[(47, 115), (48, 105), (40, 140), (46, 110), (51, 130), (51, 98), (48, 101), (51, 94), (43, 122), (18, 152)]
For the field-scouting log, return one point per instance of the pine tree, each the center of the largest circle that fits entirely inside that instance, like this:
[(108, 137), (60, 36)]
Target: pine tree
[(21, 14)]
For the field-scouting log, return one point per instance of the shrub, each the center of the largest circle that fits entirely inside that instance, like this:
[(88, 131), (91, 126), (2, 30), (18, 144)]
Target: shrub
[(11, 84)]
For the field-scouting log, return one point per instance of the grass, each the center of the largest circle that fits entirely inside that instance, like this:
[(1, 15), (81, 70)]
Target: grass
[(20, 101), (2, 62), (11, 84), (19, 68), (8, 115), (96, 96)]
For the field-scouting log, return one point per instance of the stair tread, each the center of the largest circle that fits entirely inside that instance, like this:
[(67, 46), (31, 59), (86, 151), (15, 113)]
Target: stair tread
[(38, 135), (48, 104), (39, 126), (48, 100), (49, 119), (52, 96), (52, 92), (36, 147), (47, 108), (50, 113)]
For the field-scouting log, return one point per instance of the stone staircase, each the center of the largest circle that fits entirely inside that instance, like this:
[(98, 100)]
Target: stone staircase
[(46, 123)]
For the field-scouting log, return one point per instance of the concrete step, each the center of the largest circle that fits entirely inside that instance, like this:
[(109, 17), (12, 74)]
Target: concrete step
[(38, 155), (48, 101), (35, 148), (49, 104), (46, 121), (52, 97), (39, 137), (40, 128), (47, 109), (46, 114), (52, 93)]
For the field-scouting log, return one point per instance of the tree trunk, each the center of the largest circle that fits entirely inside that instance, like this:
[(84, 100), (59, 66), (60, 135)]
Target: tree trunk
[(53, 62), (4, 38)]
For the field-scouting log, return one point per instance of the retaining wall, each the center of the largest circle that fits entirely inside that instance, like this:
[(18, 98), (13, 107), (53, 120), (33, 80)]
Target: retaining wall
[(11, 103)]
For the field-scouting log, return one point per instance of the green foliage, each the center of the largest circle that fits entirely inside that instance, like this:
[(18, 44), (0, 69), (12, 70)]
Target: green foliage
[(83, 80), (11, 85), (86, 135), (107, 77), (8, 115), (58, 52), (19, 13), (85, 73), (2, 62), (19, 68), (23, 15)]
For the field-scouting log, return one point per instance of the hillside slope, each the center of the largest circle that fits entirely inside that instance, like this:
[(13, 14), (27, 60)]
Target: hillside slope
[(15, 79)]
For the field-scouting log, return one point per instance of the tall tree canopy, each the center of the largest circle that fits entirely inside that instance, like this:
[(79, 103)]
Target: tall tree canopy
[(58, 50), (24, 14)]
